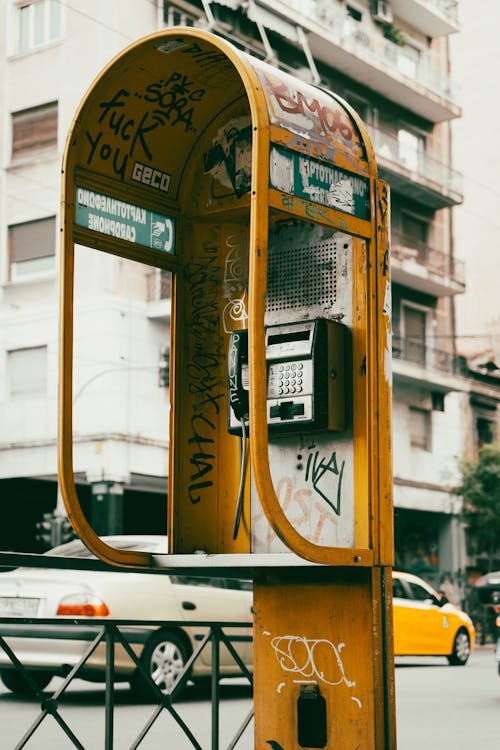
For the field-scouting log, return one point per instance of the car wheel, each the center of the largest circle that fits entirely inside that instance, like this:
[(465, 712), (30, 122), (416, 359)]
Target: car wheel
[(163, 658), (16, 682), (461, 649)]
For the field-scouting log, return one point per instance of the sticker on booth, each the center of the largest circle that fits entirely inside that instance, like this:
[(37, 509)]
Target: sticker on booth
[(319, 182)]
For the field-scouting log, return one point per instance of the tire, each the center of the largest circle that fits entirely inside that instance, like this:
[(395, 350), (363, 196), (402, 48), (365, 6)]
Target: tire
[(16, 683), (163, 658), (461, 649), (203, 684)]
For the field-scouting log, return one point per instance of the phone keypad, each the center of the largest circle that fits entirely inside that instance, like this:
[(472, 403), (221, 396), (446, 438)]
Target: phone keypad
[(289, 377)]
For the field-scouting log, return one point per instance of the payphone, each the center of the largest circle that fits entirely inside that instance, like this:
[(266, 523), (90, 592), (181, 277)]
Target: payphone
[(305, 364), (277, 244)]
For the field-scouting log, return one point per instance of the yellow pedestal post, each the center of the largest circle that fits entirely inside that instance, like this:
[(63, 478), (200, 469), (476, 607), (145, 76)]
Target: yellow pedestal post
[(323, 665)]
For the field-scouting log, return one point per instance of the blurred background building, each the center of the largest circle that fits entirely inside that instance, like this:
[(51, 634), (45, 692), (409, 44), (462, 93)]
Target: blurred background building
[(391, 60)]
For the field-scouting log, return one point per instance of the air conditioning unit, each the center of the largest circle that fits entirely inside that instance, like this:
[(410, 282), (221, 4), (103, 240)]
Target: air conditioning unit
[(381, 11)]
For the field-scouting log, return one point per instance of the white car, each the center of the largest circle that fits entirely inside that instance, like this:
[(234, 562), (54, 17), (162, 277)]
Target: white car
[(163, 650)]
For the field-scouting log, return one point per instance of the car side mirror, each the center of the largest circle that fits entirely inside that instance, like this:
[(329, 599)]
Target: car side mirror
[(443, 599)]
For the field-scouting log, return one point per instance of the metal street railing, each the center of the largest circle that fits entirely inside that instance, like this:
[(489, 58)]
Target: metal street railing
[(125, 633)]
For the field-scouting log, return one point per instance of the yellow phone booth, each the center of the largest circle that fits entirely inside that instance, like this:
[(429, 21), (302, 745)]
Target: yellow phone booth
[(259, 193)]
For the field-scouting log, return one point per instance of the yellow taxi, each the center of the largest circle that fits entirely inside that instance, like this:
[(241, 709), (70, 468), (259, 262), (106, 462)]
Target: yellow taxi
[(427, 624)]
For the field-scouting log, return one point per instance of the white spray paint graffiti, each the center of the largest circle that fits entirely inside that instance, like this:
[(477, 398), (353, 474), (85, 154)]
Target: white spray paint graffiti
[(235, 281), (296, 654)]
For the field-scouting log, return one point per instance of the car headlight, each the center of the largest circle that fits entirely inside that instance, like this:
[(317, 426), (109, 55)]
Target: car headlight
[(82, 605)]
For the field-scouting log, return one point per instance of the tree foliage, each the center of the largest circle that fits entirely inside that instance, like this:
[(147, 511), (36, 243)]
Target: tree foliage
[(480, 490)]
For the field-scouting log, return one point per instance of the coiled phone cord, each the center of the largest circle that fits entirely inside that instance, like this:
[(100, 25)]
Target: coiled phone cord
[(241, 489)]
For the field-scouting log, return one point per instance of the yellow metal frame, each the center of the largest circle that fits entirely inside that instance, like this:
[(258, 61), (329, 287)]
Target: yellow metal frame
[(344, 601), (370, 545)]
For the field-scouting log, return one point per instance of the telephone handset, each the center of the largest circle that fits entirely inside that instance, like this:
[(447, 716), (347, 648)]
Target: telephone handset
[(238, 375), (305, 377)]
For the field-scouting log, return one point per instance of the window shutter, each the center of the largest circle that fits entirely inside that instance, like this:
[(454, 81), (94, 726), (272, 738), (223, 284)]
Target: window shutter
[(34, 129), (27, 371), (34, 239)]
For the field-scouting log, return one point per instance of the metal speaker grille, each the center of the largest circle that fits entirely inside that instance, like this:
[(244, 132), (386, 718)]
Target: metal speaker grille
[(302, 276)]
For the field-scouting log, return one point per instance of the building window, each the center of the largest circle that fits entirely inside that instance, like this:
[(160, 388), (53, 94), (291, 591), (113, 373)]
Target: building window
[(354, 13), (415, 229), (27, 372), (485, 418), (38, 22), (409, 59), (32, 247), (420, 428), (414, 325), (411, 148), (159, 285), (485, 431), (173, 15), (363, 107), (34, 130)]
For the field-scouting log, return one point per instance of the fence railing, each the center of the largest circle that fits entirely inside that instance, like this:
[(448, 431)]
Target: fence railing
[(124, 633)]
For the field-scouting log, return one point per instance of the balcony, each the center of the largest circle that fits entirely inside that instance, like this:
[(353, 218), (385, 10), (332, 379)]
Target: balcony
[(419, 266), (324, 31), (159, 292), (359, 50), (414, 173), (415, 362), (434, 18)]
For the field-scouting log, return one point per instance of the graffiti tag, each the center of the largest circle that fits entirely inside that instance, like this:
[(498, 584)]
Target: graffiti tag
[(319, 469)]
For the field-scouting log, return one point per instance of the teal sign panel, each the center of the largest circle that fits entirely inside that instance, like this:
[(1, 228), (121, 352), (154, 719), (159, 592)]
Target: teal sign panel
[(320, 182), (125, 221)]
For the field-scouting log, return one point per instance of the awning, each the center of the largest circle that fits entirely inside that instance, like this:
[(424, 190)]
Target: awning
[(272, 21)]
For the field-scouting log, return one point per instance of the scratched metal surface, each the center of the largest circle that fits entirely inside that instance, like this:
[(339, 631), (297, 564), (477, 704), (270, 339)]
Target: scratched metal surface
[(310, 276)]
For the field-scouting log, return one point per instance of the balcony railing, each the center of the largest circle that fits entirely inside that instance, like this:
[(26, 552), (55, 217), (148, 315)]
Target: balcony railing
[(363, 40), (448, 8), (389, 147), (404, 247), (359, 49), (367, 41), (433, 18), (418, 353), (159, 285), (382, 50)]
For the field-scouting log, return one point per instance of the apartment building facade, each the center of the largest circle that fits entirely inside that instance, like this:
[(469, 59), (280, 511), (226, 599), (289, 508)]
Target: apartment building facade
[(390, 61)]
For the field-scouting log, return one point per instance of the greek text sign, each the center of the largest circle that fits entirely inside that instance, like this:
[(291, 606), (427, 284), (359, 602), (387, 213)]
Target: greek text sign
[(320, 182), (125, 221)]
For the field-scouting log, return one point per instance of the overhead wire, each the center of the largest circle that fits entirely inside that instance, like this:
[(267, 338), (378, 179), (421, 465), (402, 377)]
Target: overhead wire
[(89, 17)]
